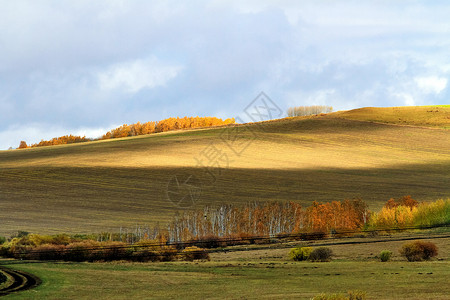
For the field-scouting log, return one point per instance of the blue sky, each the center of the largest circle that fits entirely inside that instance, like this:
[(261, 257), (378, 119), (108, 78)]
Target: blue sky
[(84, 67)]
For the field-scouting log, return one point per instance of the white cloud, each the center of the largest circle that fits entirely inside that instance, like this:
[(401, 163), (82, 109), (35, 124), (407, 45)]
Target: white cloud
[(34, 133), (317, 97), (431, 84), (81, 64), (406, 98), (138, 74)]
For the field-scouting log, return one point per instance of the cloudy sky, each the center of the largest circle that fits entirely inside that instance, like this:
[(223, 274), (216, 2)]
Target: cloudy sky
[(84, 67)]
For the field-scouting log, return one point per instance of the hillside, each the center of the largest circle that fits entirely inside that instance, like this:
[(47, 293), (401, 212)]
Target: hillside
[(103, 185), (437, 116)]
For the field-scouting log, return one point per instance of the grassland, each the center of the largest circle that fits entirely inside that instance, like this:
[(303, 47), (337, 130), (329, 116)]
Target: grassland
[(104, 185), (256, 274), (100, 186), (430, 116)]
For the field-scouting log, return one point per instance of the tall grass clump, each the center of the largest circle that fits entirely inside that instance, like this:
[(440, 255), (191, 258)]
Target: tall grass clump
[(299, 111), (385, 255)]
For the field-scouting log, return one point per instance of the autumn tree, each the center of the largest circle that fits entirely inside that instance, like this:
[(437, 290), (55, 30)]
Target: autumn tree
[(405, 201), (139, 129), (62, 140), (308, 110), (268, 219), (23, 145)]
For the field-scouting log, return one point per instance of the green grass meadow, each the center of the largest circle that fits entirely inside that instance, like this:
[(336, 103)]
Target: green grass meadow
[(253, 274)]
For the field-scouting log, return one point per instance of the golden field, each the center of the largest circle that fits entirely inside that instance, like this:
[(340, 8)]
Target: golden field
[(372, 153)]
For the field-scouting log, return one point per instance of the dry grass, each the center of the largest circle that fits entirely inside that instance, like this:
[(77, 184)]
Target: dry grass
[(103, 185), (429, 116)]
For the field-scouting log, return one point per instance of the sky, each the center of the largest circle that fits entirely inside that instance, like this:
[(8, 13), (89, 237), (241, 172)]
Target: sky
[(84, 67)]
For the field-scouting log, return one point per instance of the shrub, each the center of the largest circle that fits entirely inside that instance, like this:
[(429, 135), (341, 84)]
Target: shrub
[(21, 233), (109, 251), (300, 254), (146, 250), (81, 251), (192, 253), (321, 254), (418, 250), (2, 240), (145, 255), (4, 251), (317, 235), (167, 254), (209, 241), (385, 255), (47, 252)]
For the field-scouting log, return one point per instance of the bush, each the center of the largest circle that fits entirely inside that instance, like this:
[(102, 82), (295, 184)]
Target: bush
[(167, 254), (300, 254), (2, 240), (321, 254), (82, 251), (418, 250), (385, 255), (21, 233), (47, 252), (192, 253), (209, 241), (4, 251), (145, 255), (114, 251)]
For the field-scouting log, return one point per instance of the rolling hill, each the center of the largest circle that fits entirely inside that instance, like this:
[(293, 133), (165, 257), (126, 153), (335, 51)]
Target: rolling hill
[(104, 185)]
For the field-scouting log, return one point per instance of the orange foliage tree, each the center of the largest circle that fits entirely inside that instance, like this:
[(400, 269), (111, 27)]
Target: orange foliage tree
[(23, 145), (139, 129), (398, 213), (268, 219), (404, 201), (336, 215), (165, 125), (62, 140)]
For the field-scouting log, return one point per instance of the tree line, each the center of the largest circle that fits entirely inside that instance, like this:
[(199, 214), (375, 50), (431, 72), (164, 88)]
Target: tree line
[(224, 225), (407, 212), (300, 111), (215, 225), (165, 125), (62, 140), (137, 129), (267, 219), (279, 218)]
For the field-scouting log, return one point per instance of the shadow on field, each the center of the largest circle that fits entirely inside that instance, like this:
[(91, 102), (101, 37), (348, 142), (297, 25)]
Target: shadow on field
[(95, 199)]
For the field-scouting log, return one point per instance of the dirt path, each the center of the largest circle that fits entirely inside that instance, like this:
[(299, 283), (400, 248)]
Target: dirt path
[(20, 281)]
